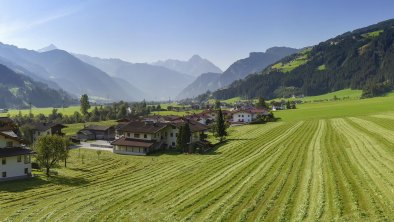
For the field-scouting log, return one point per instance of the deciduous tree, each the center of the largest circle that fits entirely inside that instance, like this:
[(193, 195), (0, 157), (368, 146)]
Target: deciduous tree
[(50, 149)]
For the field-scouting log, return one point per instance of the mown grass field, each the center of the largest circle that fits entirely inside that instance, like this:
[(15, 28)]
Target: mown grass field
[(46, 111), (327, 162)]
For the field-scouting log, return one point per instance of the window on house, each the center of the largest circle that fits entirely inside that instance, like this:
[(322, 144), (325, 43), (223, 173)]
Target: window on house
[(4, 174), (9, 144), (27, 159), (19, 159), (171, 134), (173, 144), (4, 161), (176, 134), (26, 170), (173, 127), (145, 136), (128, 134), (136, 135), (242, 115), (239, 115)]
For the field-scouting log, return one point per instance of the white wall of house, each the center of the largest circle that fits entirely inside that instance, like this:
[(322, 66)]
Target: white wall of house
[(242, 117), (140, 136), (15, 168), (130, 150), (195, 136), (5, 141)]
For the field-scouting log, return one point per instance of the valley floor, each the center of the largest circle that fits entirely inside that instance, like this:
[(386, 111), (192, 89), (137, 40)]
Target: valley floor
[(338, 168)]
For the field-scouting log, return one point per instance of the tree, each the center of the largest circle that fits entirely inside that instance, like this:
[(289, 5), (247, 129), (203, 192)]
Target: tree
[(288, 105), (186, 136), (50, 149), (67, 145), (217, 104), (179, 140), (220, 127), (85, 105), (261, 103), (183, 138)]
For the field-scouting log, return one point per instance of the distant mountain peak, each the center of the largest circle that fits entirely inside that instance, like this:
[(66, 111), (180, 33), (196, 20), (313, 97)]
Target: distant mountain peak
[(195, 57), (195, 66), (48, 48)]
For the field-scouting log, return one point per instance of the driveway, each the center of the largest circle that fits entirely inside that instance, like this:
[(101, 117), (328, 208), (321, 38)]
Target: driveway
[(94, 145)]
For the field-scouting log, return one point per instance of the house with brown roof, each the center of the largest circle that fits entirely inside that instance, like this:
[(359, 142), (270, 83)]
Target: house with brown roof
[(96, 132), (47, 129), (143, 137), (15, 158)]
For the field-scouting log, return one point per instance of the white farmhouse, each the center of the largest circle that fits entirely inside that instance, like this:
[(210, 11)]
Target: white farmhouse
[(15, 160), (247, 115)]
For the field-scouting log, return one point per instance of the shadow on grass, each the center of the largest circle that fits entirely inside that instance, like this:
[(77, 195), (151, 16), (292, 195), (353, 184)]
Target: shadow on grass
[(38, 181)]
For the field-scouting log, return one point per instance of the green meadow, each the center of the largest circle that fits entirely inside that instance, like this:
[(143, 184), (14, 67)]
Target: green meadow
[(46, 111), (328, 161)]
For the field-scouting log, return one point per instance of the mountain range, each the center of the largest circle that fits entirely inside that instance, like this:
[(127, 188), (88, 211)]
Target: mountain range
[(360, 59), (156, 82), (256, 62), (19, 91), (195, 66), (66, 71)]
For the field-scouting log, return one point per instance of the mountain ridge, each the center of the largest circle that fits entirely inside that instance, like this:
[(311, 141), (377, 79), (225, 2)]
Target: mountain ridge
[(359, 59), (18, 91), (256, 62)]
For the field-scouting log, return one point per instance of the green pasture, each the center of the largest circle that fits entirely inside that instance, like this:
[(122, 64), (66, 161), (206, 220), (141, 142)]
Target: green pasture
[(329, 161)]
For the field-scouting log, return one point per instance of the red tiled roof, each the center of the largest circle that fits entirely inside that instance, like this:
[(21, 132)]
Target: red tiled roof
[(133, 142)]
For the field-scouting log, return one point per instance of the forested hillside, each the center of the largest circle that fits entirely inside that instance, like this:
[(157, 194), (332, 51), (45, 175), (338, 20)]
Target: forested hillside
[(361, 59), (17, 91)]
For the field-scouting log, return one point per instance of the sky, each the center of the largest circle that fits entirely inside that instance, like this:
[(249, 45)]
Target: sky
[(221, 31)]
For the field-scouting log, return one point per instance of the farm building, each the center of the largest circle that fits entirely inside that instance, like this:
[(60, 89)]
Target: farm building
[(47, 129), (96, 132), (15, 159)]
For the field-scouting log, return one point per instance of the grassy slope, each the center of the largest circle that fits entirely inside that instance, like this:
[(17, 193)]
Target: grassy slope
[(342, 108), (352, 94), (46, 111), (323, 161)]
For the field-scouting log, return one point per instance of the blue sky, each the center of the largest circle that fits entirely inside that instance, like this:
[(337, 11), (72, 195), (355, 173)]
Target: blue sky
[(222, 31)]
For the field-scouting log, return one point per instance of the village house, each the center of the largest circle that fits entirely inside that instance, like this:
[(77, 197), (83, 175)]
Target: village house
[(248, 115), (209, 116), (47, 129), (96, 132), (15, 158), (144, 137)]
